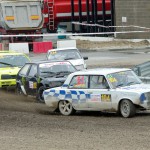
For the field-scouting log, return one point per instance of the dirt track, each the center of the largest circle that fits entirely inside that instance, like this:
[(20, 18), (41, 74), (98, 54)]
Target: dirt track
[(27, 125)]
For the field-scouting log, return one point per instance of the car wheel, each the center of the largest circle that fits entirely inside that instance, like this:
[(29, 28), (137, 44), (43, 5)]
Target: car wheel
[(127, 109), (40, 96), (65, 108)]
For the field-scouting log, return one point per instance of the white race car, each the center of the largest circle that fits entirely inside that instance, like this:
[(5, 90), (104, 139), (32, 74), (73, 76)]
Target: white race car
[(70, 54), (109, 89)]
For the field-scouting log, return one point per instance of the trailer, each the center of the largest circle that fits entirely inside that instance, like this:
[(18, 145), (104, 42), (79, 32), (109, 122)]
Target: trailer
[(20, 15)]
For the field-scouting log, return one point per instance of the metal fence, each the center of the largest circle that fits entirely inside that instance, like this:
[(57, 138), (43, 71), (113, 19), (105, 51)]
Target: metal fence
[(143, 71), (145, 80)]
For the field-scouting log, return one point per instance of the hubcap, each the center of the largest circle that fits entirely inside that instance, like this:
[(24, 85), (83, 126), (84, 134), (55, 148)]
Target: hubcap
[(125, 108), (65, 107)]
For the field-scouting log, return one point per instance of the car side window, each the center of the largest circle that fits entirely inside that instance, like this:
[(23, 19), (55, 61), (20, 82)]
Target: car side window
[(98, 82), (79, 82), (33, 71), (24, 69)]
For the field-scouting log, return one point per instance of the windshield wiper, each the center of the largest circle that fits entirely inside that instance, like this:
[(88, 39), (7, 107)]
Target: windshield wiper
[(51, 74), (69, 58), (7, 64), (48, 72), (119, 85), (63, 72)]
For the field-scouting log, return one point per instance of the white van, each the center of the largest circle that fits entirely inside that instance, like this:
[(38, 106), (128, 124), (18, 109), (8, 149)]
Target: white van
[(71, 54)]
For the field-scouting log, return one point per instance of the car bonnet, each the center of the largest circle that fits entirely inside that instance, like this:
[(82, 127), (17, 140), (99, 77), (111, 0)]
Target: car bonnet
[(138, 88)]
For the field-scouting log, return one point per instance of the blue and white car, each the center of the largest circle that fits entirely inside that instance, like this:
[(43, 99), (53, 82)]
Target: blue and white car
[(109, 89)]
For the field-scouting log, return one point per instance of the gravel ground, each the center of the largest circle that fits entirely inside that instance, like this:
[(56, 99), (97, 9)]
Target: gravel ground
[(28, 125)]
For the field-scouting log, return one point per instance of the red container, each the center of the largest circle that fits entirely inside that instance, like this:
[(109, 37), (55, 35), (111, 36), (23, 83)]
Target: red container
[(42, 47), (62, 10)]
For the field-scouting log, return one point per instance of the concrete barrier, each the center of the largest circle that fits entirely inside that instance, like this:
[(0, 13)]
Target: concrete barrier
[(42, 47), (19, 47), (66, 43)]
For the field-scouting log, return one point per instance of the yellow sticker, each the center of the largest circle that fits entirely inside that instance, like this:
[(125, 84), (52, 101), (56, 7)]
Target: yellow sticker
[(105, 97), (79, 86), (112, 79), (53, 52), (34, 85)]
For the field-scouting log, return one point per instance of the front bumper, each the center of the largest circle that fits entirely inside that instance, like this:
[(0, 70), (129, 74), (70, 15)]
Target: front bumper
[(5, 83)]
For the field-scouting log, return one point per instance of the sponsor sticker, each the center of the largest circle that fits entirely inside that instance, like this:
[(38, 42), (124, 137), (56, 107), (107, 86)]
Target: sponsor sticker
[(32, 85), (105, 97)]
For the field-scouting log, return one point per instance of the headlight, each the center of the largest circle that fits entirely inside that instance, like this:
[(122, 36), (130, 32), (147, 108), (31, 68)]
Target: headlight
[(79, 67), (142, 97)]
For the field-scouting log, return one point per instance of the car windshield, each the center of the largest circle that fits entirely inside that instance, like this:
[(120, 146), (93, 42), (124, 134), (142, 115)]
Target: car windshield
[(56, 68), (12, 60), (124, 78), (64, 54)]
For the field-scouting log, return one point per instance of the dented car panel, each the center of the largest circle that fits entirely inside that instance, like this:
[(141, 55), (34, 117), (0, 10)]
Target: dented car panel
[(84, 92)]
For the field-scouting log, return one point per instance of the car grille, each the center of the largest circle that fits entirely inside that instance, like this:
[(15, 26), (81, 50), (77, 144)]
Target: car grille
[(7, 76)]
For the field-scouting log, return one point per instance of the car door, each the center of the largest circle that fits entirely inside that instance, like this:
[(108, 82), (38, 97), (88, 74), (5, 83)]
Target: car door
[(21, 77), (78, 91), (31, 80), (100, 93)]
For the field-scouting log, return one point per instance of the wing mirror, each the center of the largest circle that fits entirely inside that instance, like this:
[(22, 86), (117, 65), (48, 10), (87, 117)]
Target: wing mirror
[(85, 58)]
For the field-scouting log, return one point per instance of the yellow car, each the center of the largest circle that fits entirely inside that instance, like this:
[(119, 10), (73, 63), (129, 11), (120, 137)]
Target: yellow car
[(10, 64)]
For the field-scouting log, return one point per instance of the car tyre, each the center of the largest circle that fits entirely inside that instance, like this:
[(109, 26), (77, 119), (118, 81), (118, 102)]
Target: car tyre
[(127, 109), (66, 108), (40, 96)]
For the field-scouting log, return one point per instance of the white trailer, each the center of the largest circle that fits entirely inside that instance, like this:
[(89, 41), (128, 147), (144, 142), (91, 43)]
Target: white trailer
[(21, 15)]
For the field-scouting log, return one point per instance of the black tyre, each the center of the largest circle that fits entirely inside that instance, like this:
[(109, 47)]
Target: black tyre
[(65, 108), (40, 96), (127, 109)]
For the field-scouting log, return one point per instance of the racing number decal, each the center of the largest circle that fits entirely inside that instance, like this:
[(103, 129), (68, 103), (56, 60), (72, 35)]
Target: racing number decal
[(32, 85), (105, 97), (53, 52)]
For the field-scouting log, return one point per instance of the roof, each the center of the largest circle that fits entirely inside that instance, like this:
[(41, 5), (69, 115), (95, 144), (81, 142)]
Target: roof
[(100, 71), (46, 61), (61, 49), (7, 52)]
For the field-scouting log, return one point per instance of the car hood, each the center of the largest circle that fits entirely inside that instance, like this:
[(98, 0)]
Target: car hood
[(76, 62), (53, 79), (138, 88), (9, 70)]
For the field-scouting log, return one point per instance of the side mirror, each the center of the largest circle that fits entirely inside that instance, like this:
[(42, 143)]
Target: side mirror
[(36, 75), (85, 58)]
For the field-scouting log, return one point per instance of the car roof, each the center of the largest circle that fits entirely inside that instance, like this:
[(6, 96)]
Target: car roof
[(46, 61), (100, 71), (7, 52), (61, 49)]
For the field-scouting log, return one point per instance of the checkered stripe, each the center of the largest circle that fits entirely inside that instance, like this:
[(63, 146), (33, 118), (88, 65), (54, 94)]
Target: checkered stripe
[(72, 94)]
